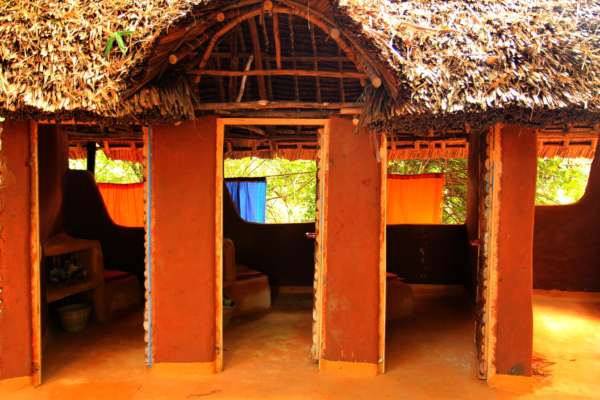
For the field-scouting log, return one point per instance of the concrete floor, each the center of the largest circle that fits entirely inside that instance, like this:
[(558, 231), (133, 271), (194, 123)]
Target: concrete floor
[(429, 356)]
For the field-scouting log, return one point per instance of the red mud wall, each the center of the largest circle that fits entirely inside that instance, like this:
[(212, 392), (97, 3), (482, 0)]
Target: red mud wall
[(183, 240), (515, 250), (53, 158), (15, 280), (351, 296), (567, 241)]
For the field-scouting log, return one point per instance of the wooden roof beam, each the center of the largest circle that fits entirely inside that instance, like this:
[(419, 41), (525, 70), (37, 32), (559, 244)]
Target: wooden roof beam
[(262, 87), (264, 104), (281, 72), (293, 49), (277, 40)]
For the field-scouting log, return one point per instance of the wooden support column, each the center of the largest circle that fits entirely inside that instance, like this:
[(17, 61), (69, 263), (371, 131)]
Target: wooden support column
[(515, 163), (473, 187), (354, 249), (183, 246), (91, 157), (15, 251)]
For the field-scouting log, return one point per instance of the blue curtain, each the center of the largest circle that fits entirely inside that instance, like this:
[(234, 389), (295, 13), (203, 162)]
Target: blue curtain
[(249, 196)]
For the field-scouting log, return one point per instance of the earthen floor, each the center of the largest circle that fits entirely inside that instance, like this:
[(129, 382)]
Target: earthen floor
[(429, 356)]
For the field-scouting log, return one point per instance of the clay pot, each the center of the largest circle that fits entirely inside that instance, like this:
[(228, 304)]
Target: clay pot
[(74, 317)]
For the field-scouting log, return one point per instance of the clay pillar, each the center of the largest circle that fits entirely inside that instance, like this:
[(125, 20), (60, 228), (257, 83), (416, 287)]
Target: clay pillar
[(183, 181), (516, 162), (355, 237), (15, 264)]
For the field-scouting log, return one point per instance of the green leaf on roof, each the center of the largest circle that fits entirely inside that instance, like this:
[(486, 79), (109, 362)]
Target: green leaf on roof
[(117, 37)]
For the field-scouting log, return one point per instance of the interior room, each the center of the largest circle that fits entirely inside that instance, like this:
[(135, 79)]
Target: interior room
[(269, 242), (92, 242), (566, 305), (410, 246), (429, 304)]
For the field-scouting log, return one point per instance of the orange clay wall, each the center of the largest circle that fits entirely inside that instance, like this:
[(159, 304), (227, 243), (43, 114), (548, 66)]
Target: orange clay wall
[(515, 250), (183, 241), (351, 295), (567, 241), (15, 280), (53, 159)]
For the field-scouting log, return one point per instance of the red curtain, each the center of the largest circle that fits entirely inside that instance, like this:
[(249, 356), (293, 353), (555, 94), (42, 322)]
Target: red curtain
[(415, 199), (124, 202)]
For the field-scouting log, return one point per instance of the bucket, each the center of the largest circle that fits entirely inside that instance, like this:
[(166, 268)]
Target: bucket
[(74, 317)]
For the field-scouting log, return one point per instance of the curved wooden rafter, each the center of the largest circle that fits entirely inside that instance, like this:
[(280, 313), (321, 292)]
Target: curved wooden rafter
[(331, 31), (194, 46)]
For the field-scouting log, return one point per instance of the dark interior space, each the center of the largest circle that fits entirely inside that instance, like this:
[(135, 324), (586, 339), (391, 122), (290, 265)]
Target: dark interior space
[(418, 253), (92, 270)]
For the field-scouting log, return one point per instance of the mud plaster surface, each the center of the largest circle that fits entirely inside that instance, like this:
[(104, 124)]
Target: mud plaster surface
[(430, 356)]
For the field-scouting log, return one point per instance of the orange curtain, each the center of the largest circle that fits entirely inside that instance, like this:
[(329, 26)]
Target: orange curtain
[(414, 199), (124, 202)]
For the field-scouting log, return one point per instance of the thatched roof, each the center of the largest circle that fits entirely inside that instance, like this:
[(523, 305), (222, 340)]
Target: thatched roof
[(443, 63), (525, 60)]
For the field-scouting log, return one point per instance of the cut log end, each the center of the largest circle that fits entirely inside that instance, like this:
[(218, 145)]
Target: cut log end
[(376, 81), (220, 17), (173, 59)]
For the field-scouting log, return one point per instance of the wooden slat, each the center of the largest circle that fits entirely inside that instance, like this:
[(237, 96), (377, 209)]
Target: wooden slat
[(220, 133), (304, 58), (280, 72), (35, 255), (277, 39), (315, 62), (262, 88), (274, 121), (252, 105), (382, 249), (293, 49)]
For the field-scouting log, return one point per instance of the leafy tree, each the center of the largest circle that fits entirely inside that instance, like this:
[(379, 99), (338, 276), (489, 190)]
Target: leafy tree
[(291, 186), (112, 171), (561, 180)]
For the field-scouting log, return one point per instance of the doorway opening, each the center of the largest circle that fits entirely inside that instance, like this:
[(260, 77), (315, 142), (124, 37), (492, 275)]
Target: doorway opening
[(566, 303), (91, 189), (271, 258), (428, 302)]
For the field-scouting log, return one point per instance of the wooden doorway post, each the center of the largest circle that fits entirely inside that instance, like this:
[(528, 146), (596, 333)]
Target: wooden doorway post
[(506, 269)]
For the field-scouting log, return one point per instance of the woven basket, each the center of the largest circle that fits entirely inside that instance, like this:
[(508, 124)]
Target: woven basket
[(74, 317)]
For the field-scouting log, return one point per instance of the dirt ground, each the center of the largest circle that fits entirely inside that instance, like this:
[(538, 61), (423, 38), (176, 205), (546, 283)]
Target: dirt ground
[(429, 356)]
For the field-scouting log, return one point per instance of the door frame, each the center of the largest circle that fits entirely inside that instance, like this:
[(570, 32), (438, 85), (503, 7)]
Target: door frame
[(35, 248), (322, 268), (35, 257)]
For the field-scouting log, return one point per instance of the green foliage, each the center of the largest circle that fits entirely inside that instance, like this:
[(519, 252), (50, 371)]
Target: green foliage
[(561, 180), (112, 171), (291, 186), (117, 37)]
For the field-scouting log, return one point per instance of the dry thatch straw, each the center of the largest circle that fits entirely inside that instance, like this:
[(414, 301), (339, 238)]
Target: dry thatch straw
[(533, 62), (521, 60)]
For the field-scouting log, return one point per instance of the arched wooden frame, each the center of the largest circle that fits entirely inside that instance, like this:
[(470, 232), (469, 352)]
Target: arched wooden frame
[(191, 37), (333, 32)]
